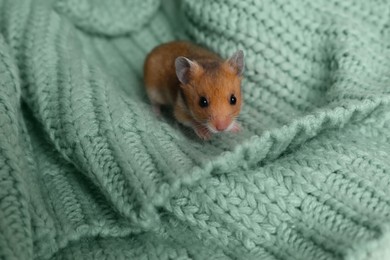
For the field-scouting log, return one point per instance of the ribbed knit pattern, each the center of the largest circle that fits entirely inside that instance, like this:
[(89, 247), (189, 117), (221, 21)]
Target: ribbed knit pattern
[(88, 172)]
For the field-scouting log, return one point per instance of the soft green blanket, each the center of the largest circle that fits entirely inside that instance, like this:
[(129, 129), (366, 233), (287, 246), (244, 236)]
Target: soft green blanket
[(88, 172)]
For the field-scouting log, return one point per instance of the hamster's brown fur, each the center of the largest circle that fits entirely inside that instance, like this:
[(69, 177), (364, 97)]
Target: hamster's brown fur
[(183, 75)]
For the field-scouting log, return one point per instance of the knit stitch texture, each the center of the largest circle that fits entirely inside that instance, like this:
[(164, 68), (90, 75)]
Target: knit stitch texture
[(88, 172)]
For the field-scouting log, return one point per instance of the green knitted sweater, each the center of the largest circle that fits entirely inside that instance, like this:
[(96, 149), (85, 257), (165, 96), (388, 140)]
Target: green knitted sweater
[(88, 172)]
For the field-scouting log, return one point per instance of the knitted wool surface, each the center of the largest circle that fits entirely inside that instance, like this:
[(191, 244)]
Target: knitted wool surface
[(88, 172)]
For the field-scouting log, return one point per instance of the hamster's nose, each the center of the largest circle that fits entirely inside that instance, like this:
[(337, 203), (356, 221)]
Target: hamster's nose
[(222, 124)]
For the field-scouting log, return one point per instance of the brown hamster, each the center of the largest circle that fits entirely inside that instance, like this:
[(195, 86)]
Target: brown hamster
[(203, 88)]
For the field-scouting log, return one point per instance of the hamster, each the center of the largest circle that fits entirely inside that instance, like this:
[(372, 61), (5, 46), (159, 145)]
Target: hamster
[(203, 89)]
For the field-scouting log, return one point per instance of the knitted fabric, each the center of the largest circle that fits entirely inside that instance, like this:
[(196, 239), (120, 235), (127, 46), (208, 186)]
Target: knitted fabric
[(88, 172)]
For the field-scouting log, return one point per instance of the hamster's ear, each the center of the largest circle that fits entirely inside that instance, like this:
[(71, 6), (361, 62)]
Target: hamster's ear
[(236, 62), (184, 67)]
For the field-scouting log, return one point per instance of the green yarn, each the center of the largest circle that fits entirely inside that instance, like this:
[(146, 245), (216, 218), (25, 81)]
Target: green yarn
[(88, 172)]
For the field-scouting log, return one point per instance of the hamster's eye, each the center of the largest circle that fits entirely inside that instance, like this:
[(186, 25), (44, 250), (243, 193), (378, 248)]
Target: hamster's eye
[(203, 102), (233, 100)]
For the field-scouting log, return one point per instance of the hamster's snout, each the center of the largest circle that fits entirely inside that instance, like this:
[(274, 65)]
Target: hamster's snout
[(220, 124)]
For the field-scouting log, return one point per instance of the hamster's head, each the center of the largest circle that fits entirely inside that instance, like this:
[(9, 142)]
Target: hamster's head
[(211, 90)]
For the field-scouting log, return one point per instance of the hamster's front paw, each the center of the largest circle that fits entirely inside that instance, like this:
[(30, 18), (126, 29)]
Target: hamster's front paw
[(236, 128), (156, 109), (202, 132)]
